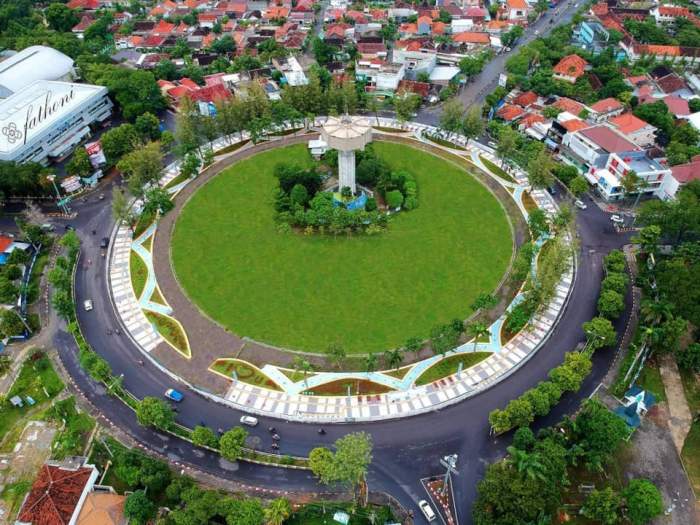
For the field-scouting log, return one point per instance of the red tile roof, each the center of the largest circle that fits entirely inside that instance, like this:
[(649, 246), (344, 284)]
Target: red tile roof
[(358, 16), (84, 4), (674, 10), (677, 105), (628, 123), (420, 88), (54, 495), (509, 112), (276, 12), (684, 173), (471, 37), (409, 28), (525, 99), (5, 243), (607, 105), (574, 124), (655, 49), (188, 82), (408, 45), (371, 48), (600, 9), (608, 139), (85, 22), (571, 66), (439, 28), (378, 14), (153, 41), (517, 4), (570, 105), (209, 93), (163, 28), (530, 119), (671, 83)]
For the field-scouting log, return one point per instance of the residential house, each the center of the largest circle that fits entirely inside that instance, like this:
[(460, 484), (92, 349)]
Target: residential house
[(510, 112), (681, 175), (416, 61), (291, 70), (515, 11), (638, 131), (370, 50), (526, 99), (470, 40), (591, 147), (102, 508), (80, 28), (605, 109), (569, 105), (570, 68), (608, 180), (381, 77)]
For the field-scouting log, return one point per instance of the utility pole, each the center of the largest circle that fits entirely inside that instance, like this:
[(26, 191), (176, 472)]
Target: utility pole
[(450, 464)]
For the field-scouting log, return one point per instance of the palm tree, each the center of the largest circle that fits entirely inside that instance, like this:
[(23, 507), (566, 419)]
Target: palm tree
[(371, 363), (526, 463), (477, 330), (303, 366), (277, 511), (653, 312), (393, 358)]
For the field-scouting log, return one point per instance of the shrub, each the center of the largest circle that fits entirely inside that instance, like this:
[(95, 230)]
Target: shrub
[(615, 262), (610, 304), (616, 282), (394, 199)]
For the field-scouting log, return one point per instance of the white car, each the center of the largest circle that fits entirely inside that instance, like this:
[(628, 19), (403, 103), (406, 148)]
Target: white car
[(87, 305), (249, 420), (617, 219), (580, 204), (428, 512)]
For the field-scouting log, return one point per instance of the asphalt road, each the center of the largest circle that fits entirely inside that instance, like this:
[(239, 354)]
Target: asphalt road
[(485, 82), (405, 450)]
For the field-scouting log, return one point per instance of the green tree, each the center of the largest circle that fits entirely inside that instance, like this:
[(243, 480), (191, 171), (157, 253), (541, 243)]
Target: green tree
[(277, 511), (371, 363), (524, 438), (204, 436), (321, 463), (500, 421), (147, 126), (142, 167), (599, 432), (643, 501), (473, 122), (11, 324), (578, 186), (413, 344), (117, 142), (526, 463), (157, 200), (61, 302), (689, 359), (539, 400), (520, 412), (477, 330), (353, 455), (507, 145), (484, 301), (231, 443), (60, 17), (299, 195), (120, 206), (138, 508), (615, 281), (610, 304), (302, 365), (600, 332), (79, 164), (539, 170), (538, 222), (405, 105), (648, 238), (603, 506), (452, 115), (393, 358), (336, 352), (155, 412)]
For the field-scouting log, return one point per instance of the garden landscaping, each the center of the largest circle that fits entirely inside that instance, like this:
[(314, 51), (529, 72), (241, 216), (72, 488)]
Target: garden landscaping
[(450, 365), (245, 373), (305, 291)]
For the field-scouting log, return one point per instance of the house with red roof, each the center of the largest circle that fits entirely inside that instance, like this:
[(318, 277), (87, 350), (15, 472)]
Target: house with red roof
[(357, 16), (637, 130), (677, 106), (163, 28), (526, 99), (471, 39), (606, 109), (424, 25), (84, 5), (569, 105), (85, 22), (419, 88), (515, 11), (570, 69), (275, 13), (57, 494), (510, 112), (591, 147), (369, 50), (681, 175)]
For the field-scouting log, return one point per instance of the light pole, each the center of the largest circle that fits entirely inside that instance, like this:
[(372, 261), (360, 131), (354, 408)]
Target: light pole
[(61, 204), (450, 464)]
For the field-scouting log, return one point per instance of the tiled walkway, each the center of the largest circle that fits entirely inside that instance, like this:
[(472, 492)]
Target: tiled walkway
[(407, 399)]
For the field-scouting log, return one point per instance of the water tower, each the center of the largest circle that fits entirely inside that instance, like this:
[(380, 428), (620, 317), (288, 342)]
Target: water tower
[(347, 134)]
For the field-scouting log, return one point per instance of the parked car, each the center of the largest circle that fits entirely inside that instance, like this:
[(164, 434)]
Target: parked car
[(249, 420), (174, 395), (69, 228), (617, 219), (87, 305), (47, 227), (552, 189), (580, 204), (427, 511), (104, 243)]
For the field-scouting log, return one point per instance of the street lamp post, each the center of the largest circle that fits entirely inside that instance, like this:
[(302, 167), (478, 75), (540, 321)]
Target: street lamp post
[(61, 204), (450, 464)]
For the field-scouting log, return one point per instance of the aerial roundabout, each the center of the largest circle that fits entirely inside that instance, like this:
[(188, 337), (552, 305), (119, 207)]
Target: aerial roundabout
[(354, 269)]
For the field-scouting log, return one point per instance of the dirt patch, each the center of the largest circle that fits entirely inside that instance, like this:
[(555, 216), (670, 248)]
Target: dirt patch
[(357, 387)]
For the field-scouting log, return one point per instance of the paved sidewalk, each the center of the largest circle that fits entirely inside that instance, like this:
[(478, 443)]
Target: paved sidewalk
[(680, 418), (408, 400)]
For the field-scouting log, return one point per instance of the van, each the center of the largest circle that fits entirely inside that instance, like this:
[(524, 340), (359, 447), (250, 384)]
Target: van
[(426, 510)]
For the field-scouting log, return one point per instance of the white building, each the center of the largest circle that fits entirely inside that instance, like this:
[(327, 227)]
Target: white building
[(380, 76), (609, 179), (416, 62), (46, 120), (32, 64), (292, 71)]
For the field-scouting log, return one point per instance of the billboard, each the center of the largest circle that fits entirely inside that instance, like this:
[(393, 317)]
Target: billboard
[(95, 153)]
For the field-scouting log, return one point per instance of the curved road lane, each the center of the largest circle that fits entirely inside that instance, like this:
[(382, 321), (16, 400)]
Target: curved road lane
[(405, 449)]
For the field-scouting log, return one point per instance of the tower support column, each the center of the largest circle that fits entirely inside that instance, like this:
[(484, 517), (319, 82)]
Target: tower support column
[(346, 170)]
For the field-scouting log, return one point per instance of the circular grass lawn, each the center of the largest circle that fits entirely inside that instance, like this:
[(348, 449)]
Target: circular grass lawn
[(368, 293)]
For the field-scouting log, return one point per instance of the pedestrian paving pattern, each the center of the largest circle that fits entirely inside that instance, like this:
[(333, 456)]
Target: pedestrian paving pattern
[(406, 398)]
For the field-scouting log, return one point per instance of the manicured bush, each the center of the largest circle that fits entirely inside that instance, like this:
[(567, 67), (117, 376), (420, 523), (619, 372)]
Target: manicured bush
[(394, 199), (616, 282), (610, 304), (615, 261)]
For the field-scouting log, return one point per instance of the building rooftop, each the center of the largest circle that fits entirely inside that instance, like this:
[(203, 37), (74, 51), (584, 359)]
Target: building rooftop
[(102, 508), (606, 105), (684, 173), (55, 495), (607, 139), (628, 123), (32, 64), (571, 66)]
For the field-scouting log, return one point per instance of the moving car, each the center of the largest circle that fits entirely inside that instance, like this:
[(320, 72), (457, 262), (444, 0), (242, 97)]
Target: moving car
[(617, 219), (249, 420), (580, 204), (426, 510), (174, 395), (87, 305), (104, 242)]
